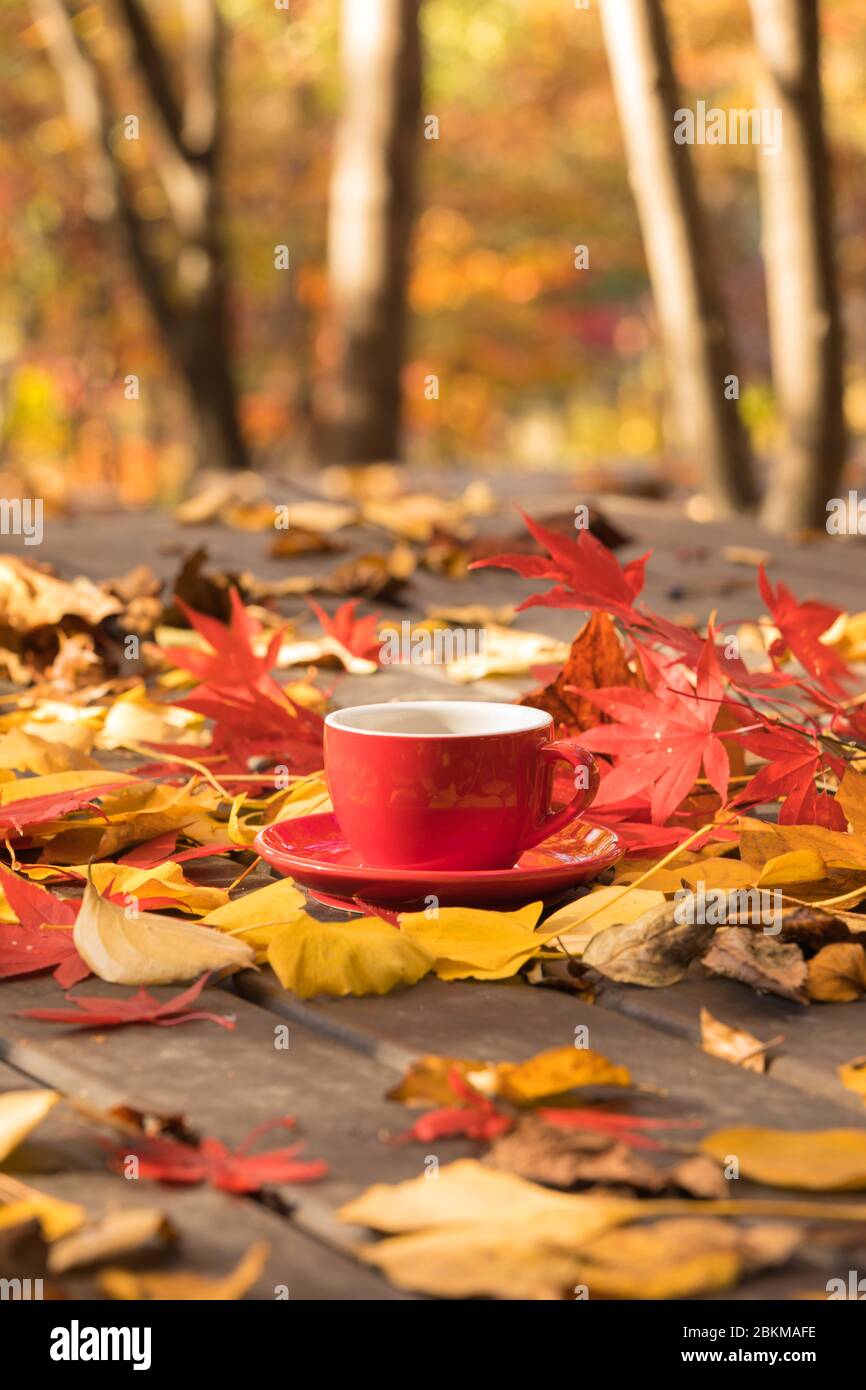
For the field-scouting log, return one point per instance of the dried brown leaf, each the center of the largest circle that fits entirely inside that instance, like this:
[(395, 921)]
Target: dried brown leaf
[(753, 958), (597, 659), (732, 1044), (654, 950)]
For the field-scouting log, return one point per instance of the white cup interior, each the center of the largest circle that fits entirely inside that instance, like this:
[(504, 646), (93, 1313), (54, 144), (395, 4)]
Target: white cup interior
[(439, 719)]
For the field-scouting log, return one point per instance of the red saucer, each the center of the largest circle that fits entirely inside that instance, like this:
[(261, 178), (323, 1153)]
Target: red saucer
[(312, 851)]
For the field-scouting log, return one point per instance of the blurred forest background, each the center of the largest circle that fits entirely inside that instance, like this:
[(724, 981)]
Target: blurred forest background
[(205, 214)]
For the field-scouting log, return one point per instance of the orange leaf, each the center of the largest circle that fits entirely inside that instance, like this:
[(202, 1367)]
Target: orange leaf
[(596, 661)]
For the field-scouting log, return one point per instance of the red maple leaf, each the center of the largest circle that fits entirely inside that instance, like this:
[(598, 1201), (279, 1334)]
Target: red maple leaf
[(793, 760), (36, 810), (477, 1118), (663, 735), (689, 646), (252, 715), (37, 941), (588, 575), (357, 635), (26, 950), (34, 906), (213, 1162), (626, 1128), (801, 626), (104, 1012), (151, 853), (632, 823)]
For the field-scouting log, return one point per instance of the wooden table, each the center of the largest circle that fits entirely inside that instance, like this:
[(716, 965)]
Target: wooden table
[(345, 1054)]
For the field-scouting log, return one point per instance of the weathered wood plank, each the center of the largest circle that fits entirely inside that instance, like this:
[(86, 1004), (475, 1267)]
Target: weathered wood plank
[(817, 1038), (226, 1083), (509, 1022), (214, 1229)]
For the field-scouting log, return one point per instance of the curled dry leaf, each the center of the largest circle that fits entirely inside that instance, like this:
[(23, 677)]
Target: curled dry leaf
[(129, 1285), (732, 1044), (837, 974), (118, 1233), (821, 1160), (135, 718), (30, 598), (566, 1158), (811, 928), (21, 1112), (653, 951), (761, 841), (163, 885), (794, 866), (777, 967), (150, 949), (710, 871)]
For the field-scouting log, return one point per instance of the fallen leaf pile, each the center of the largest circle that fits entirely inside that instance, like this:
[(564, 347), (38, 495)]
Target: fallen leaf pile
[(475, 1231), (732, 769), (42, 1236)]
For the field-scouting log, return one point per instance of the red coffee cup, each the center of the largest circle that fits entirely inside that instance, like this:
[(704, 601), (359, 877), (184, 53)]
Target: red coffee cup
[(448, 784)]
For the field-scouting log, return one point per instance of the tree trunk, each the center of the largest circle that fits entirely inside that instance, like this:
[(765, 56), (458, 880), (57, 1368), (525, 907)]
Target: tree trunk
[(185, 289), (369, 228), (688, 303), (805, 329)]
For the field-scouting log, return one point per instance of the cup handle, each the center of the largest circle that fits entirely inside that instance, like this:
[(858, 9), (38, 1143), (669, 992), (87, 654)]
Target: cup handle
[(587, 785)]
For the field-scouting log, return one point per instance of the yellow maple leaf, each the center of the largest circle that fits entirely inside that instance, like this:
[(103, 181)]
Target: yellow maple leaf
[(823, 1160), (162, 881), (555, 1071), (364, 956), (29, 752), (258, 916), (469, 942), (837, 974)]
